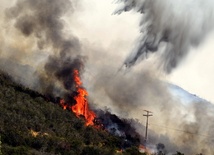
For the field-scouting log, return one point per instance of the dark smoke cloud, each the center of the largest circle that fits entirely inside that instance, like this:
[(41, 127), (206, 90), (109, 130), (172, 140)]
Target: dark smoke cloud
[(42, 22), (170, 27)]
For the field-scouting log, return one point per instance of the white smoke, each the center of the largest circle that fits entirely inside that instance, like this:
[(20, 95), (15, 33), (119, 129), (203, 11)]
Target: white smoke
[(173, 26), (105, 40)]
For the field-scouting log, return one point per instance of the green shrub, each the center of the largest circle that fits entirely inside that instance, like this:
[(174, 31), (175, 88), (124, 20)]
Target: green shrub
[(59, 131), (19, 150)]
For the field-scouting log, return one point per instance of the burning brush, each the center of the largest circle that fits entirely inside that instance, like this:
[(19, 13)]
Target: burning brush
[(103, 120), (59, 75), (81, 107)]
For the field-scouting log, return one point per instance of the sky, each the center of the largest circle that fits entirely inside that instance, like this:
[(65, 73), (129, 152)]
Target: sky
[(99, 25), (96, 23), (195, 74)]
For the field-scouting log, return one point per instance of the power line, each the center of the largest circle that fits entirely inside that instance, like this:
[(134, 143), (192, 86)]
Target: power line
[(148, 114), (178, 130)]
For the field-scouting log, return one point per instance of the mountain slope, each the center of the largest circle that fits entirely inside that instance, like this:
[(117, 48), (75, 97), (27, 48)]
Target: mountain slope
[(31, 125), (185, 96)]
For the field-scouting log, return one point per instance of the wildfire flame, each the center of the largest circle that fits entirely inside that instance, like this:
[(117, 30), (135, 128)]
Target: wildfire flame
[(143, 149), (81, 107)]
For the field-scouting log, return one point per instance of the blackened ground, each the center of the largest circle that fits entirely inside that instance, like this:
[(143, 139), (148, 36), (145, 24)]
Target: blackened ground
[(118, 127)]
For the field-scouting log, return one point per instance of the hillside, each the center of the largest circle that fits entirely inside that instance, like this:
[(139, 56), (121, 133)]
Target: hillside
[(31, 125)]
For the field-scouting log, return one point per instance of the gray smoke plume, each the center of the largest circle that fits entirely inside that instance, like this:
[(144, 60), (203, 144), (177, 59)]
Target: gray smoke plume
[(170, 27), (180, 126), (39, 53), (40, 24)]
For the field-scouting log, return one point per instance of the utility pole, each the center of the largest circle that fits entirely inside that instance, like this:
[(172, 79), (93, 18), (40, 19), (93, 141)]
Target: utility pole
[(148, 113)]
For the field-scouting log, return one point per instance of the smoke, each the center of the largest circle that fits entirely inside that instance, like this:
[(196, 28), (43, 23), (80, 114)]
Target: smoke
[(170, 28), (119, 127), (179, 126), (177, 123), (39, 41), (39, 52)]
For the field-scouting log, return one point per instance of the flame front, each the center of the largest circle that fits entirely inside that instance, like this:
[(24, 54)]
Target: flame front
[(81, 107)]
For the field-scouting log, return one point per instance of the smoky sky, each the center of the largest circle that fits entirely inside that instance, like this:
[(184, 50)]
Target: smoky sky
[(38, 28), (42, 22), (169, 28), (129, 97)]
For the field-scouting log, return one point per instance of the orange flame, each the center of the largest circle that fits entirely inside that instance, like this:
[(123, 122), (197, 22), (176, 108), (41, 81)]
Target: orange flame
[(81, 107), (63, 104), (77, 78), (143, 149)]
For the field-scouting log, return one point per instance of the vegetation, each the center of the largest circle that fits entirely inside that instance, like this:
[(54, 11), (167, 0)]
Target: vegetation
[(30, 125)]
